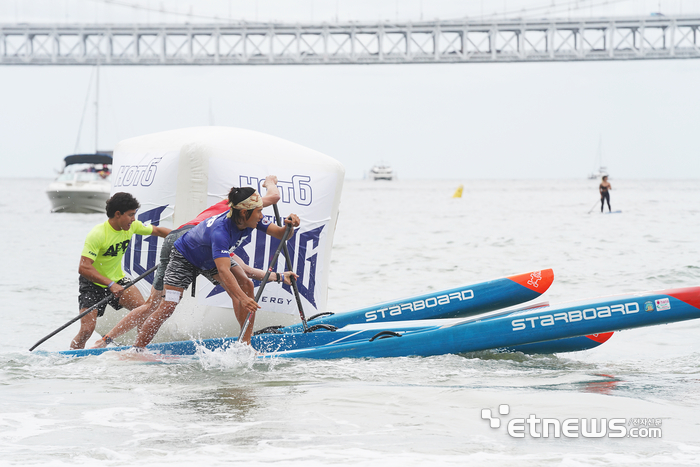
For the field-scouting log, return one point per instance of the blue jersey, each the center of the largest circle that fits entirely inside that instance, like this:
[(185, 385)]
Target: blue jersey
[(214, 238)]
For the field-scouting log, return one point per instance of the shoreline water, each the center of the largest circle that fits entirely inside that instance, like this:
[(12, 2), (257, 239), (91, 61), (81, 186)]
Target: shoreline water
[(393, 240)]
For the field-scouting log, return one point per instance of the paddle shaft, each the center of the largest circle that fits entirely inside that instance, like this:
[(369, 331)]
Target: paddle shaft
[(291, 278), (273, 261), (101, 302), (591, 210)]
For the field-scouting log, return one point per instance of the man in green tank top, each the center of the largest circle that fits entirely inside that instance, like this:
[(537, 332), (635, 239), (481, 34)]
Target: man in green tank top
[(100, 267)]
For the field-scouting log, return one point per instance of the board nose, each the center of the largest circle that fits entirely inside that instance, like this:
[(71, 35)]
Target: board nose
[(537, 281), (689, 295)]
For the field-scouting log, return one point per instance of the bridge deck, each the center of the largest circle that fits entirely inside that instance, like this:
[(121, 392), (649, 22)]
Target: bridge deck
[(656, 37)]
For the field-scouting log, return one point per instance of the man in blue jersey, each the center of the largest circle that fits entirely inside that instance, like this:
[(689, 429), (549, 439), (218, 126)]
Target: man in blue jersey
[(205, 250)]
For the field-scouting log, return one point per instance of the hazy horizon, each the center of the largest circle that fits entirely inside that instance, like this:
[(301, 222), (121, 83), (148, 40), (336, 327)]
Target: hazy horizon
[(544, 120)]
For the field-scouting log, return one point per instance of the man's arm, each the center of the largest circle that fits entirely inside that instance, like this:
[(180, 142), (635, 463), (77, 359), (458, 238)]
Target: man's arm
[(160, 231), (276, 231), (272, 194), (88, 271), (230, 284), (259, 274)]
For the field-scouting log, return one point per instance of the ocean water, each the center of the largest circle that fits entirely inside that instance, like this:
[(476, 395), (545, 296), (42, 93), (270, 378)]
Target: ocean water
[(393, 239)]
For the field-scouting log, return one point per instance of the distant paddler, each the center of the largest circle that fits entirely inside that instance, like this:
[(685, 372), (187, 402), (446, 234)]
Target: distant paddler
[(205, 250), (604, 189), (100, 268)]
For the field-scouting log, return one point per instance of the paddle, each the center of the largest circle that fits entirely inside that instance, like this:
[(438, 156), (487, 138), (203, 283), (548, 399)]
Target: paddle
[(101, 302), (273, 261), (594, 206), (292, 278)]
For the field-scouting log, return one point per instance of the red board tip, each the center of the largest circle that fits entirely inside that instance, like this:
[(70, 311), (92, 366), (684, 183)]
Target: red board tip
[(600, 338), (690, 295), (537, 281)]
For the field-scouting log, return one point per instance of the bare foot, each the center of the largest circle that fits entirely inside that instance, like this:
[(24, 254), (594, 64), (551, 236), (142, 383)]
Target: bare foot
[(100, 344)]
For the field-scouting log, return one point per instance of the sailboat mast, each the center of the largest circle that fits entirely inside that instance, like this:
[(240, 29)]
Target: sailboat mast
[(97, 99)]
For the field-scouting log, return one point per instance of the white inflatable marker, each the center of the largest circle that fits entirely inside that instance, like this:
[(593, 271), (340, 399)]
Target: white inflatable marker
[(177, 174)]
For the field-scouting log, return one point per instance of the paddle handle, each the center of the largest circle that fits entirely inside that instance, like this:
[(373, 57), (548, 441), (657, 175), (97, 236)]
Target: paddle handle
[(288, 259), (273, 261), (101, 302)]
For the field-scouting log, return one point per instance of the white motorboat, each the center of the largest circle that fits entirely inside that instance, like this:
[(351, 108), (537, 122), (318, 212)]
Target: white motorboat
[(381, 172), (83, 185)]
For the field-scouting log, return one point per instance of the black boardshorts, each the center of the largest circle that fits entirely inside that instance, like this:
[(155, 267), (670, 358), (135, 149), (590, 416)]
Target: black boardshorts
[(91, 294)]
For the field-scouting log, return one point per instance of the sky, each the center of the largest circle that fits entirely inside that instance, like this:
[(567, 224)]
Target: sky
[(449, 121)]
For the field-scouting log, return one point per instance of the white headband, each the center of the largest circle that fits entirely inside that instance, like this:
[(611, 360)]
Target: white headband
[(254, 201)]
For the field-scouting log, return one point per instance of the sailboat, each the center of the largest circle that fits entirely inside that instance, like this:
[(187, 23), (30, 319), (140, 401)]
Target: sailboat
[(84, 181), (601, 171)]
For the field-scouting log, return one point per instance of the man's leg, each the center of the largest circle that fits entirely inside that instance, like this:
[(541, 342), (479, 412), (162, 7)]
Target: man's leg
[(152, 305), (178, 276), (89, 296), (135, 318), (153, 323), (87, 327)]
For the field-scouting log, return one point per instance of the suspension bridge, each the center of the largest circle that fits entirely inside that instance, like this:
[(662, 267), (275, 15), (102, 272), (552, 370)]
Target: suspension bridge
[(632, 38)]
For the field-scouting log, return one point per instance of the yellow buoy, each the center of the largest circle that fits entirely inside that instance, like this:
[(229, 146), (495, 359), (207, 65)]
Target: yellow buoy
[(458, 193)]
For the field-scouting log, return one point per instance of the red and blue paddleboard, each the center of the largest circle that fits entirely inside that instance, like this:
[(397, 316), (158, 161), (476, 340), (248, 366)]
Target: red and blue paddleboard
[(459, 302)]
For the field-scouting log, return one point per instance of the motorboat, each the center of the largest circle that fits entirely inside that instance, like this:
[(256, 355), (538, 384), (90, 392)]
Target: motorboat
[(83, 185), (381, 172), (84, 182)]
